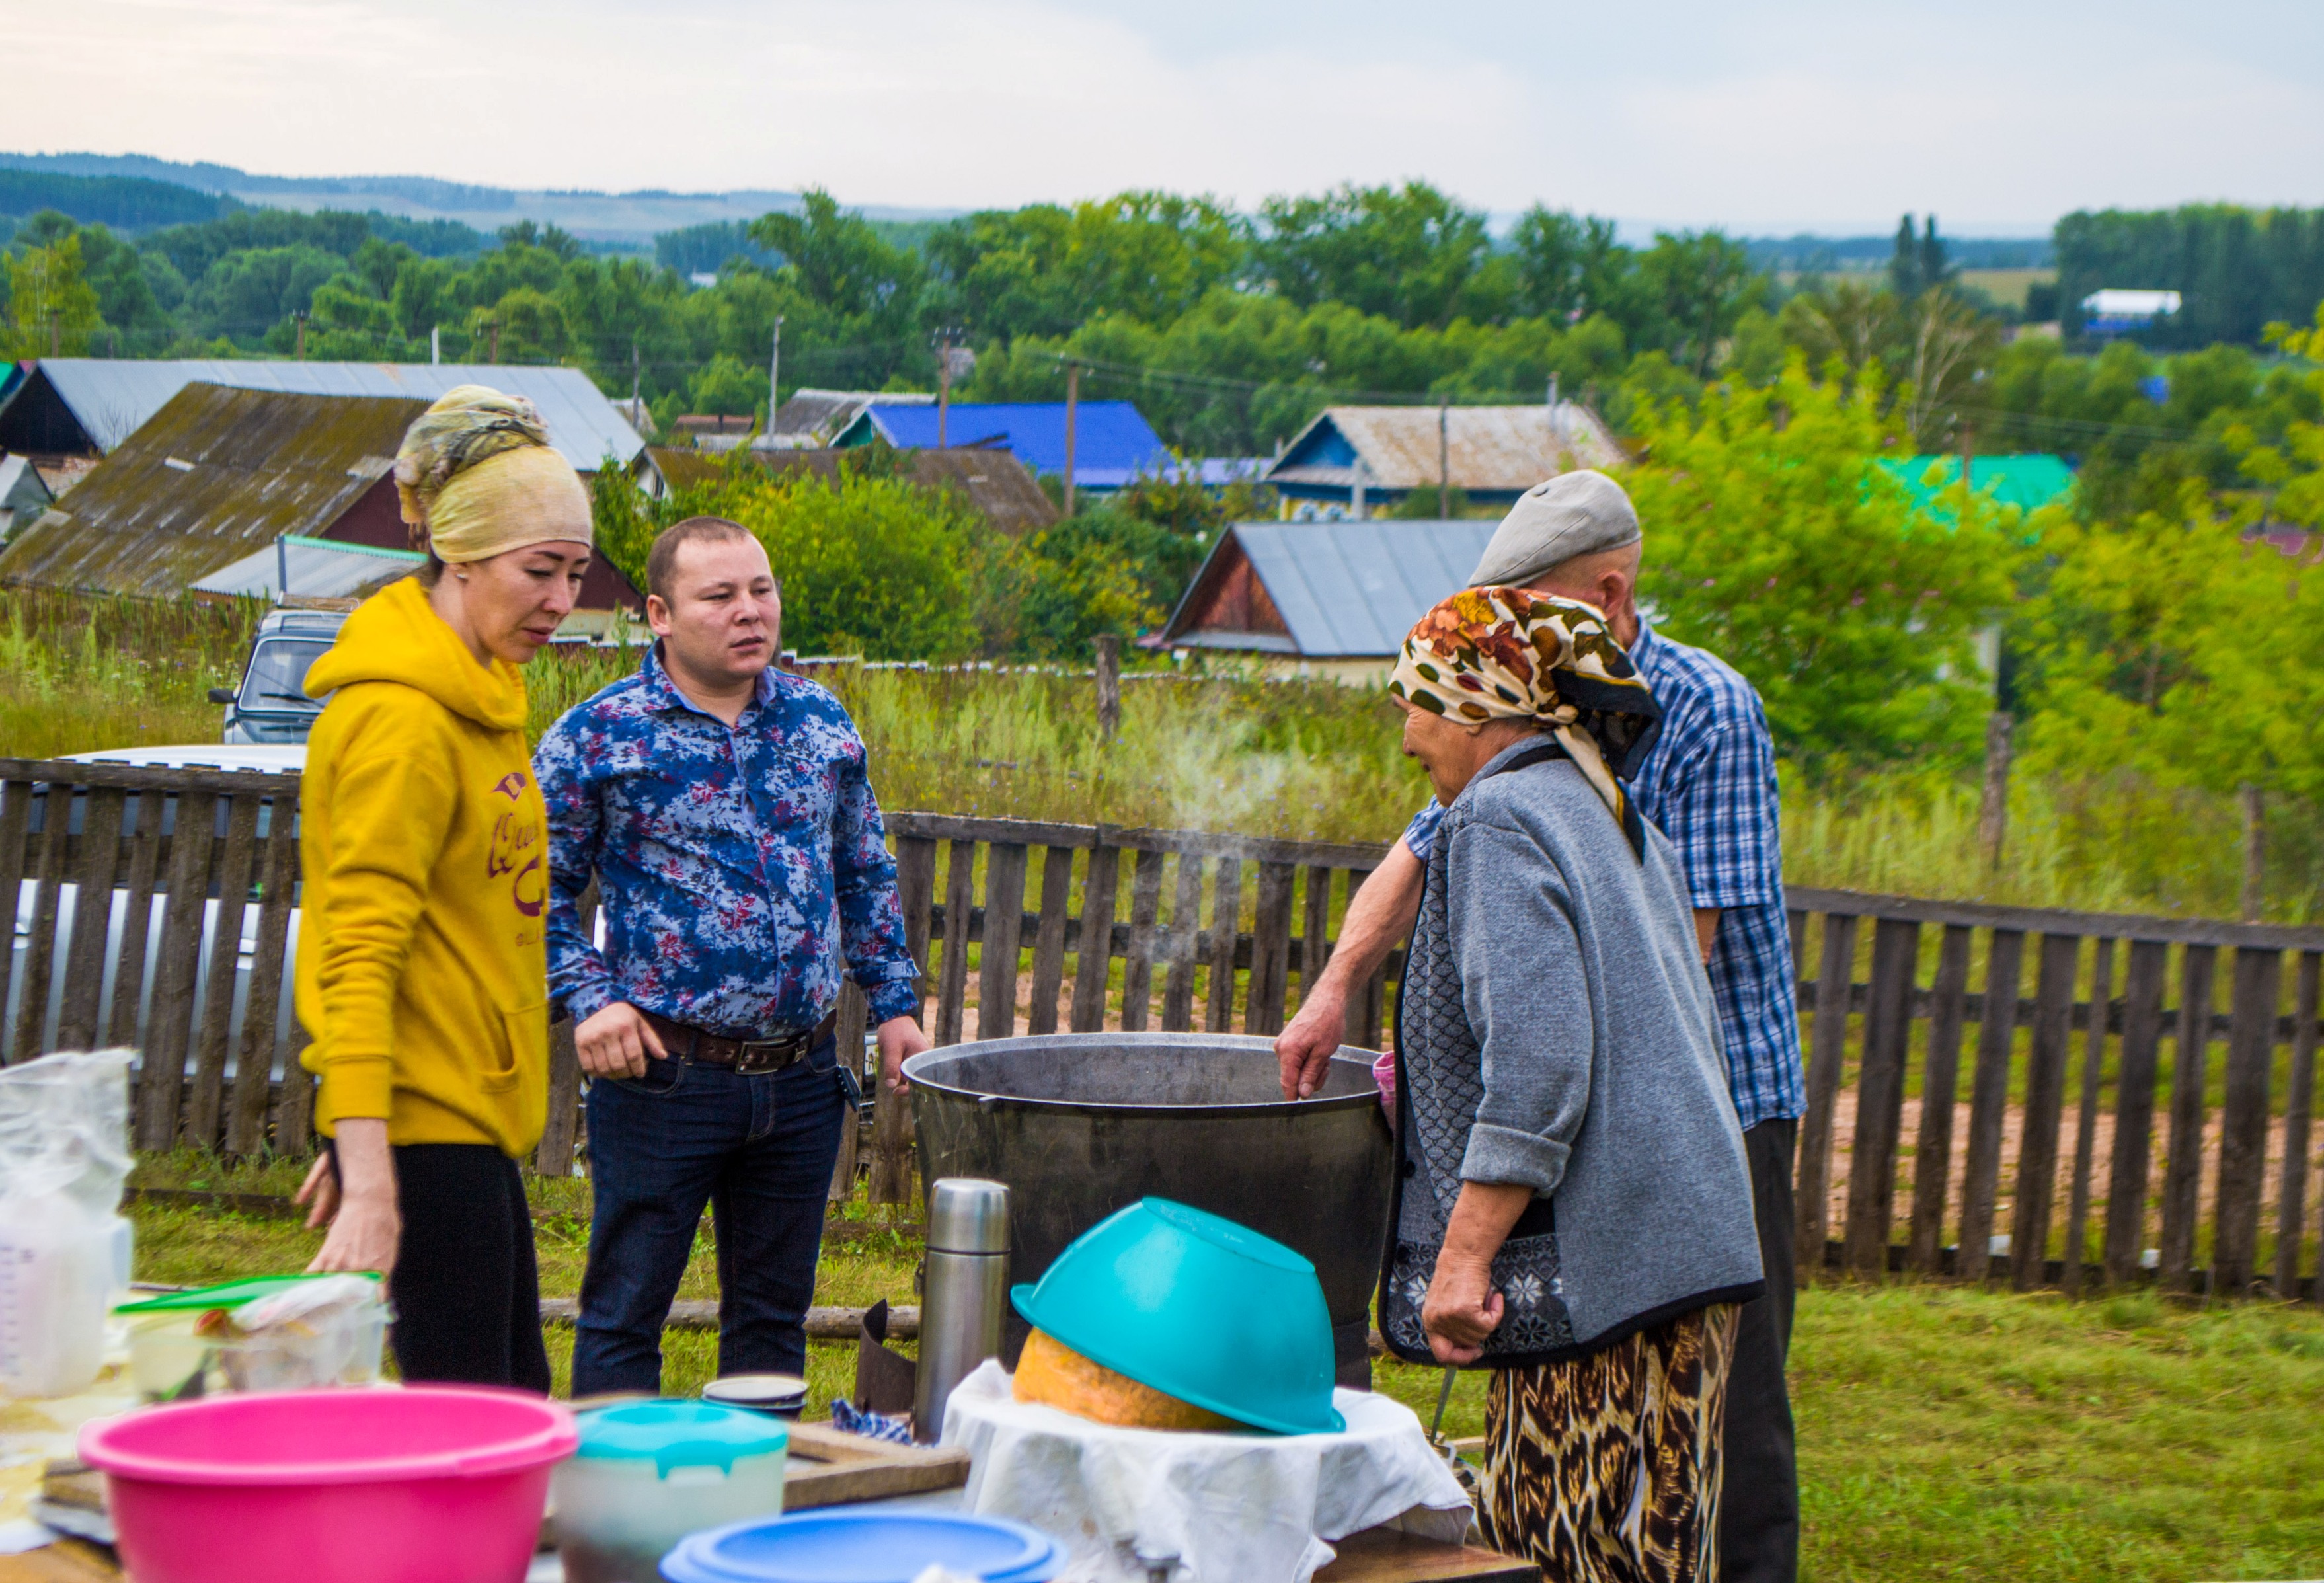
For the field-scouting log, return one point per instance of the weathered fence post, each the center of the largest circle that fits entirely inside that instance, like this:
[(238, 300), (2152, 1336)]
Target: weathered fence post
[(2254, 802), (1989, 1100), (1993, 809), (2182, 1170), (1811, 1211), (2134, 1109), (2298, 1103), (1109, 686), (2086, 1120)]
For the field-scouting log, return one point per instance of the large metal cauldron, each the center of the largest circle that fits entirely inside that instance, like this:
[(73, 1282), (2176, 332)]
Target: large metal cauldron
[(1080, 1125)]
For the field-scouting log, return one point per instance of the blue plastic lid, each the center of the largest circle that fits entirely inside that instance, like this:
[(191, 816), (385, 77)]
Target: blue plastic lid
[(838, 1546), (679, 1434)]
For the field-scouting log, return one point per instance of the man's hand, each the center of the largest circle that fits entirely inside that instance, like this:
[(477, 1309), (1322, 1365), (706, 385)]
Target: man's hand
[(357, 1200), (900, 1039), (1304, 1049), (616, 1041), (1462, 1311)]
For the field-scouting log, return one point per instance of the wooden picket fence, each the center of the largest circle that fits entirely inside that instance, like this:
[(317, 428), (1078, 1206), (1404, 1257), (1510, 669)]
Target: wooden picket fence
[(1033, 928)]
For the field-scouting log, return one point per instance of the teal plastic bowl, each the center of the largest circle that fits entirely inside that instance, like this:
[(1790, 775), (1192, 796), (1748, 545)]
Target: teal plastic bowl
[(1199, 1308)]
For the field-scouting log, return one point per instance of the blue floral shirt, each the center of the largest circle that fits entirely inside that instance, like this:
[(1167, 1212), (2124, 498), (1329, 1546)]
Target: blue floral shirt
[(736, 868)]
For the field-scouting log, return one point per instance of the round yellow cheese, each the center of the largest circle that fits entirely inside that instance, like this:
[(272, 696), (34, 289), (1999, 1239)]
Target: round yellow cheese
[(1051, 1372)]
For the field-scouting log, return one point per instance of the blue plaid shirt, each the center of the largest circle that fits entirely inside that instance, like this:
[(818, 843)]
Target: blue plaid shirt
[(1708, 782), (736, 867)]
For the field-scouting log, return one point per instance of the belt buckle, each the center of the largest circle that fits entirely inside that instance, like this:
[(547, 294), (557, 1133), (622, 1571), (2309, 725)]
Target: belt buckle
[(755, 1056)]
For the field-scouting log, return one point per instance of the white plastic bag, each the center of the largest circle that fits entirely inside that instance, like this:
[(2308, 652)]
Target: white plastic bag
[(64, 1153)]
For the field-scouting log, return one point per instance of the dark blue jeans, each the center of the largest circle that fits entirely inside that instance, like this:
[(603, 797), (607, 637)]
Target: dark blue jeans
[(758, 1151)]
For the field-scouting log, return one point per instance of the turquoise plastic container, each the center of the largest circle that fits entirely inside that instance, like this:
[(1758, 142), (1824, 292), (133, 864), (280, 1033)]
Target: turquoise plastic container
[(1198, 1307), (647, 1474)]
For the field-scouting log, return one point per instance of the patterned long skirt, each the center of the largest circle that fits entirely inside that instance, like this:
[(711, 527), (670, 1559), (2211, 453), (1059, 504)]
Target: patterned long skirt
[(1605, 1470)]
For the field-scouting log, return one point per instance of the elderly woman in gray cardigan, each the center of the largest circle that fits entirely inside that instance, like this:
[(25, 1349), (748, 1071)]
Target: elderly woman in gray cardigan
[(1574, 1208)]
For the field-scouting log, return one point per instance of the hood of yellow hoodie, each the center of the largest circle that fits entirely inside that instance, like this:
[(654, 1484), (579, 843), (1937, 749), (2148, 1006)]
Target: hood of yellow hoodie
[(394, 636)]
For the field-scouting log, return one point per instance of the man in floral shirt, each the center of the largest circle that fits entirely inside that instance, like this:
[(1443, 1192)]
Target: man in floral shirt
[(722, 809)]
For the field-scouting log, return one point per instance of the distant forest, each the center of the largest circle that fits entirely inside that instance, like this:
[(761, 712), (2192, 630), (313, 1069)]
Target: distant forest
[(1230, 330)]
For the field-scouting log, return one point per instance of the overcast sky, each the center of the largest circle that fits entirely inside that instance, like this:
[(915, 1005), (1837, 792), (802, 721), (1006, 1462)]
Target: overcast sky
[(1762, 116)]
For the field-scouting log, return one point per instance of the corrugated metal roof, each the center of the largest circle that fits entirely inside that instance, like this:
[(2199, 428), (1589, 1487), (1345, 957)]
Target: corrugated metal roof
[(311, 568), (214, 476), (1351, 590), (111, 397), (1112, 441), (811, 420), (1492, 450)]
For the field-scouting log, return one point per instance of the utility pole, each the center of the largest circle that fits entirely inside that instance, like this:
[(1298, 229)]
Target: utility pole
[(1357, 505), (774, 374), (1073, 401), (944, 386), (1443, 458), (301, 318), (435, 343)]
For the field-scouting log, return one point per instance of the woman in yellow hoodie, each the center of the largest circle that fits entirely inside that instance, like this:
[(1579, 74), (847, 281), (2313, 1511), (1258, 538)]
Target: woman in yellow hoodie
[(422, 973)]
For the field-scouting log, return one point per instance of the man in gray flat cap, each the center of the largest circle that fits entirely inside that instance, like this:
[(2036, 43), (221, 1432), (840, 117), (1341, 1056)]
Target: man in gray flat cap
[(1710, 783)]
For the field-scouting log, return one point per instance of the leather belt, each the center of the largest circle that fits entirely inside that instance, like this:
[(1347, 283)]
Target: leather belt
[(745, 1057)]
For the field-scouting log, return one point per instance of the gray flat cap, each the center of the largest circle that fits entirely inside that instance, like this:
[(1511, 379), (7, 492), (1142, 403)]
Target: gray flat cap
[(1571, 514)]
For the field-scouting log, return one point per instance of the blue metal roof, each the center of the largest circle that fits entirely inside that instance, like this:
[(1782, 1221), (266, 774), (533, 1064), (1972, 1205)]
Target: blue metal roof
[(1352, 590), (111, 397), (1112, 441)]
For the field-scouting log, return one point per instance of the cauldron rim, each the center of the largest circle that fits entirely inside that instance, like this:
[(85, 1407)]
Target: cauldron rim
[(1237, 1043)]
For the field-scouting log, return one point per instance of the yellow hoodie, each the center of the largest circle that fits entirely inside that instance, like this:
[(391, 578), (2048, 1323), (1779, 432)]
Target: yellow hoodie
[(423, 977)]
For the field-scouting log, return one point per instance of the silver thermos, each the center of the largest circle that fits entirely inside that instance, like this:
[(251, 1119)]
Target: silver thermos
[(965, 1283)]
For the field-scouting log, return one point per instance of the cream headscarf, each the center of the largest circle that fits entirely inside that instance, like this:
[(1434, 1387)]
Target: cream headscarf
[(1487, 654), (477, 479)]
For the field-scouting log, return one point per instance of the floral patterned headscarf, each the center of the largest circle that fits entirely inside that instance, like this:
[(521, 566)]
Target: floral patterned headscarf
[(1487, 654)]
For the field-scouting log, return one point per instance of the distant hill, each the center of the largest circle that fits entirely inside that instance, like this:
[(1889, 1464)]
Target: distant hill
[(123, 203), (1827, 254), (622, 220)]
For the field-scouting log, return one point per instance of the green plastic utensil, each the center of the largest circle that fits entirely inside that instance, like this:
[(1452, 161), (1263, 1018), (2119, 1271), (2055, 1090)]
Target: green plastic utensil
[(226, 1294)]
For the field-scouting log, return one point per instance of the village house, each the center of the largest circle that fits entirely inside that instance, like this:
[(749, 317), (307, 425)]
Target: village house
[(1321, 599), (1112, 441), (1360, 462), (82, 408), (221, 477)]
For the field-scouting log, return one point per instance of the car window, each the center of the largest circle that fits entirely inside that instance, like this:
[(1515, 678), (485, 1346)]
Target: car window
[(277, 676)]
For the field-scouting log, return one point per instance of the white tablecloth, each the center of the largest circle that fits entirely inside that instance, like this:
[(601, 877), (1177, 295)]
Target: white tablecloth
[(1200, 1508)]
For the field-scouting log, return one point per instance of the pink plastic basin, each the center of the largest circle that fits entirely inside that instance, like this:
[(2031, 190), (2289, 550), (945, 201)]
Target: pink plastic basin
[(440, 1483), (1384, 1074)]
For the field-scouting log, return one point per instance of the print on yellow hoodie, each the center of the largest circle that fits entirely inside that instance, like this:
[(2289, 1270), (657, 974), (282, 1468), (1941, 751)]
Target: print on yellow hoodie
[(422, 971)]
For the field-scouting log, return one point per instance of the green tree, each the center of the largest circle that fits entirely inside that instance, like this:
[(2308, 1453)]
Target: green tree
[(1408, 254), (723, 386), (1693, 287), (51, 306), (1045, 270), (1786, 549), (1570, 267)]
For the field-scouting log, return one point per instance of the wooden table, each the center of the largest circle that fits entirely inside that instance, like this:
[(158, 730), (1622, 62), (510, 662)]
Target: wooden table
[(1383, 1555)]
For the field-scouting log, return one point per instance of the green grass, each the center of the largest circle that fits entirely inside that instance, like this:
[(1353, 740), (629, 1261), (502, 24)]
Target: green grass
[(1943, 1432), (1299, 761)]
